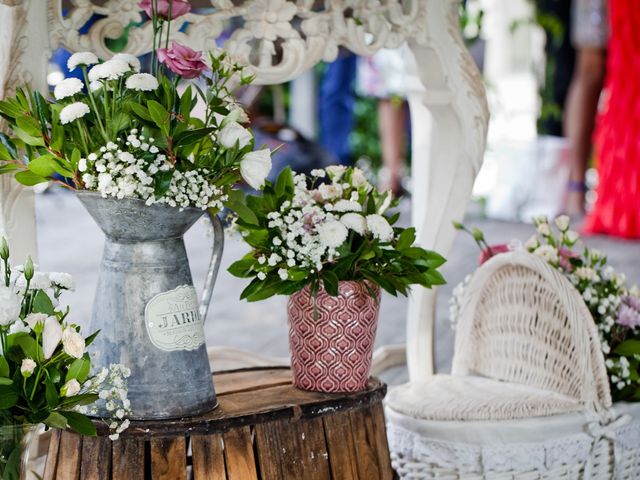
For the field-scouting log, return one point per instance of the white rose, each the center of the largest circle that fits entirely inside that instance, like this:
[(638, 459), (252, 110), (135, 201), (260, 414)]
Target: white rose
[(255, 166), (380, 228), (571, 236), (547, 252), (51, 336), (10, 306), (358, 179), (233, 132), (562, 222), (332, 233), (336, 171), (72, 343), (34, 318), (19, 326), (532, 243), (330, 191), (355, 222), (27, 367), (543, 229), (71, 388)]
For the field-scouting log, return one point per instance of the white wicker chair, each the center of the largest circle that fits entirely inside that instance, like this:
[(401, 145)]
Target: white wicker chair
[(528, 397)]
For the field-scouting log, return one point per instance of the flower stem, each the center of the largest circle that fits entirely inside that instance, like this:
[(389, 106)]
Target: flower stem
[(93, 104)]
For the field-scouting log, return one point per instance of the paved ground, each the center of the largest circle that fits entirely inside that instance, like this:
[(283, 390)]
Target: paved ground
[(69, 241)]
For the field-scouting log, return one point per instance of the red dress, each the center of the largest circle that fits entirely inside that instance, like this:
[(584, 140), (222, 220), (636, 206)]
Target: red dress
[(617, 136)]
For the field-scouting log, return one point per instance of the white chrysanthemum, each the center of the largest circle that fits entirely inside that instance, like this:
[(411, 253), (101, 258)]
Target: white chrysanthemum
[(81, 58), (143, 82), (562, 222), (109, 70), (61, 280), (67, 88), (73, 112), (130, 60), (95, 85), (355, 222), (379, 227), (347, 206), (332, 234), (547, 252)]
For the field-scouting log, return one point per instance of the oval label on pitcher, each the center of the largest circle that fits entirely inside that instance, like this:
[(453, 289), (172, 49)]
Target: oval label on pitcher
[(173, 321)]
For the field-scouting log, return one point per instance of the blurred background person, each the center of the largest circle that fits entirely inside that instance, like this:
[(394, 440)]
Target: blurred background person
[(617, 138), (589, 32)]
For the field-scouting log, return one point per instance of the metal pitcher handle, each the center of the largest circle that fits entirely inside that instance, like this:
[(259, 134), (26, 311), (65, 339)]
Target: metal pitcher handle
[(214, 264)]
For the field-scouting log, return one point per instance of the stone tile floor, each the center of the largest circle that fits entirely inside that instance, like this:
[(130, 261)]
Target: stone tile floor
[(70, 241)]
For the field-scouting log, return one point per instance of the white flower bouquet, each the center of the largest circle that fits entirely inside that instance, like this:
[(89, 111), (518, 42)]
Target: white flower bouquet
[(126, 133), (614, 307), (45, 369), (320, 230)]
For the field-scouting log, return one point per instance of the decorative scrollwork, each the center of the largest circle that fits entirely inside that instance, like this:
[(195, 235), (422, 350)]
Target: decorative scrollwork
[(279, 38)]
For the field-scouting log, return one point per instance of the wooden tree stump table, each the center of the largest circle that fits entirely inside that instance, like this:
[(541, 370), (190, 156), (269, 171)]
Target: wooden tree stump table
[(264, 428)]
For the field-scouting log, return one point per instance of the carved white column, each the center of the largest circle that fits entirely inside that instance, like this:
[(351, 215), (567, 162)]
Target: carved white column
[(24, 53), (449, 124)]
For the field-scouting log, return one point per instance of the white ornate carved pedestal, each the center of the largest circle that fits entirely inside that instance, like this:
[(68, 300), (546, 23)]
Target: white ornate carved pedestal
[(282, 39)]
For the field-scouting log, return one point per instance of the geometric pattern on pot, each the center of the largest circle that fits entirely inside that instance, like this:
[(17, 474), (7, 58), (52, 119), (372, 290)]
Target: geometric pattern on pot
[(331, 349)]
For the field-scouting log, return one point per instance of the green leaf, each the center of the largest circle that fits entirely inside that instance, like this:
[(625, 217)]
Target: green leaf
[(192, 136), (628, 348), (237, 204), (242, 268), (5, 381), (42, 109), (4, 367), (42, 303), (162, 182), (186, 102), (11, 108), (257, 238), (330, 282), (54, 374), (79, 370), (4, 153), (8, 396), (28, 345), (8, 168), (51, 394), (27, 138), (9, 145), (89, 340), (284, 182), (159, 115), (43, 166), (80, 423), (120, 121), (406, 238), (140, 111), (30, 125), (75, 158), (82, 399), (56, 420), (29, 178)]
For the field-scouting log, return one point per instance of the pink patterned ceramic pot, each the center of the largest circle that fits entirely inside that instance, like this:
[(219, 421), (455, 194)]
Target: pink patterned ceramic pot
[(331, 350)]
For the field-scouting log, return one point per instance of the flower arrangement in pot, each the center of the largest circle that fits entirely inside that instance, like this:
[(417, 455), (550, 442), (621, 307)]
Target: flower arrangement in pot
[(147, 166), (45, 368), (328, 241), (614, 307)]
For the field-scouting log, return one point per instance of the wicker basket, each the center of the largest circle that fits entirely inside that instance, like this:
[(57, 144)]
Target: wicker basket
[(528, 397)]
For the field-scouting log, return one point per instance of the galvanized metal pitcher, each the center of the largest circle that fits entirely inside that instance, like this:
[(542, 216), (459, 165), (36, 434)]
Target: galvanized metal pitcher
[(146, 307)]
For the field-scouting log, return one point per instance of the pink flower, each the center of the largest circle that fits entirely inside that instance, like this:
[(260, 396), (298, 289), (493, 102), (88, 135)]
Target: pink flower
[(178, 8), (629, 312), (486, 254), (182, 60), (565, 256)]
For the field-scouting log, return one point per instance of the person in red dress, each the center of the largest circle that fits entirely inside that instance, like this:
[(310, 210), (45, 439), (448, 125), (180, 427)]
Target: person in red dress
[(617, 138)]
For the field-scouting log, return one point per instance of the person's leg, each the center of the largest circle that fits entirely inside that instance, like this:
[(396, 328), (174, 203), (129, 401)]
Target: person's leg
[(336, 106), (391, 122), (579, 120)]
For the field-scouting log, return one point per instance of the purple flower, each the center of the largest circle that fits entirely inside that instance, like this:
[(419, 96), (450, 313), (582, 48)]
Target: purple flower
[(629, 312), (182, 60)]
